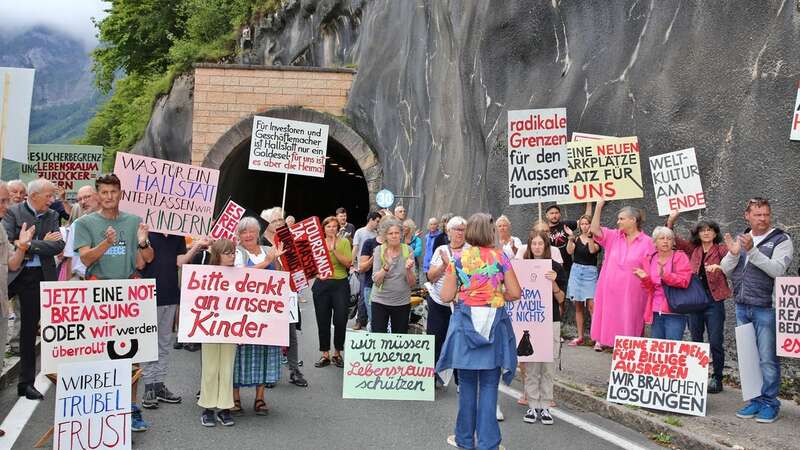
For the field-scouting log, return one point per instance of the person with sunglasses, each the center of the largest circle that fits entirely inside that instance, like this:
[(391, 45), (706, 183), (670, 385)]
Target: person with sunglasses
[(755, 258)]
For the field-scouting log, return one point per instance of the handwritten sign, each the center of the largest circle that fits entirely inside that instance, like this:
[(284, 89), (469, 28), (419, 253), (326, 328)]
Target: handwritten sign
[(170, 197), (660, 374), (532, 315), (787, 316), (98, 321), (608, 167), (676, 179), (537, 155), (16, 93), (306, 254), (794, 134), (93, 406), (235, 305), (386, 366), (228, 220), (288, 146), (68, 166)]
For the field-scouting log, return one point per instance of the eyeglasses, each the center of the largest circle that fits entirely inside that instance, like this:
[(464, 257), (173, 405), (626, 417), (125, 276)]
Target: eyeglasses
[(459, 229)]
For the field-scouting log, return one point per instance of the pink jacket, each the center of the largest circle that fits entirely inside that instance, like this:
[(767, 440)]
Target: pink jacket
[(680, 275)]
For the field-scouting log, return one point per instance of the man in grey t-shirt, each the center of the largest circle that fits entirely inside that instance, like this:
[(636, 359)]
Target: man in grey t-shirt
[(368, 231)]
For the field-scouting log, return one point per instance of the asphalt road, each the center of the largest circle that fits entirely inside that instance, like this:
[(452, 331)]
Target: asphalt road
[(317, 417)]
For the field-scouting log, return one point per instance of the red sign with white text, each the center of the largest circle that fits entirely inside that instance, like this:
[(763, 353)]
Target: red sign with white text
[(306, 254), (225, 227)]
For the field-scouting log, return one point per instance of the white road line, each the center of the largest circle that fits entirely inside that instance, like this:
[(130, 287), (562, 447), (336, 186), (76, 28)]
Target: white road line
[(580, 423), (22, 411)]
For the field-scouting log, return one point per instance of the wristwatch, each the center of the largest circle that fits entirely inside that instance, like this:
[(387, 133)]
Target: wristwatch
[(146, 244)]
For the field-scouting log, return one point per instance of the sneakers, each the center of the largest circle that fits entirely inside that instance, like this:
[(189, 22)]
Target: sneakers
[(714, 386), (164, 395), (531, 416), (207, 418), (768, 414), (598, 347), (749, 411), (224, 417), (296, 378), (137, 423), (545, 417), (149, 400), (499, 414)]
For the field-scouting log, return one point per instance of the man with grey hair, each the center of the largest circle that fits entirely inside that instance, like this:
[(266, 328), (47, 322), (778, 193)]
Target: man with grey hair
[(40, 265), (88, 202), (17, 192)]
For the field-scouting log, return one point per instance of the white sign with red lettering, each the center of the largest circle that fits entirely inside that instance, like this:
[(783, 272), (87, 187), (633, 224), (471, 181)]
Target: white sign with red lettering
[(537, 155), (795, 133), (676, 180)]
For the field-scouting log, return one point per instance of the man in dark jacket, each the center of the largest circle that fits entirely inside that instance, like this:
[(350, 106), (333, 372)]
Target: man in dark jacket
[(39, 265)]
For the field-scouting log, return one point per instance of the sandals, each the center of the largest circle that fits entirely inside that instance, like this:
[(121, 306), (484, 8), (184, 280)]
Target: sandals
[(237, 408), (323, 361), (338, 361), (598, 347), (260, 407), (575, 342)]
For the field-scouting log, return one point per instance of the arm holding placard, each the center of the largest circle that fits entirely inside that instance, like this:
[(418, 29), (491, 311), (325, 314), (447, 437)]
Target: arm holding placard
[(197, 246), (595, 228)]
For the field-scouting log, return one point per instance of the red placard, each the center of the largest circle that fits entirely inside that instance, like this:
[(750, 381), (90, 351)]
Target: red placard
[(225, 227), (306, 254)]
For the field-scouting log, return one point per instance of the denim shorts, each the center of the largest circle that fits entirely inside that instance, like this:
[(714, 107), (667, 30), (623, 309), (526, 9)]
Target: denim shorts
[(582, 282)]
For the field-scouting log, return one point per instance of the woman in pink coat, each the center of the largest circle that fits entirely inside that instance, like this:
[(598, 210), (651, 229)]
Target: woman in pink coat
[(620, 299), (664, 267)]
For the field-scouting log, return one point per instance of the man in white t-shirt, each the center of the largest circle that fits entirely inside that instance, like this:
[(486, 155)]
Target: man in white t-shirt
[(89, 202)]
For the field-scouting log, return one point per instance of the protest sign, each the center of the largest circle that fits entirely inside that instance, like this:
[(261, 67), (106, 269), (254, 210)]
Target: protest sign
[(235, 305), (532, 315), (228, 220), (750, 376), (98, 321), (659, 374), (68, 166), (787, 316), (384, 366), (306, 253), (676, 181), (794, 134), (288, 146), (607, 168), (578, 136), (16, 93), (537, 155), (93, 406), (170, 197)]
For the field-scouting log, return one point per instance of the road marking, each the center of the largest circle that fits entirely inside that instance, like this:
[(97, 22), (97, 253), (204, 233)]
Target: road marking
[(580, 423), (22, 411)]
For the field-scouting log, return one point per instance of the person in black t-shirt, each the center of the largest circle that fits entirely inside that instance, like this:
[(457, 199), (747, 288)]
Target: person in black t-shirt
[(583, 276)]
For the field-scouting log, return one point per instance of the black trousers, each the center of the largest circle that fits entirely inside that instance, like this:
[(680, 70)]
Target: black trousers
[(26, 286), (331, 297), (381, 314), (437, 325)]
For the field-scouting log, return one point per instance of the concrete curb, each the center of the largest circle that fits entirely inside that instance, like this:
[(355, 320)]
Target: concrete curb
[(591, 399)]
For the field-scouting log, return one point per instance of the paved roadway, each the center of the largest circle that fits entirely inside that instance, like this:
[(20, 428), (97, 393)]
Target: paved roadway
[(318, 418)]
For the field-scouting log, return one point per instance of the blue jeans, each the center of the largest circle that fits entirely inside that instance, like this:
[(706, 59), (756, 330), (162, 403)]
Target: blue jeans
[(713, 320), (365, 301), (363, 307), (477, 403), (763, 319), (668, 326)]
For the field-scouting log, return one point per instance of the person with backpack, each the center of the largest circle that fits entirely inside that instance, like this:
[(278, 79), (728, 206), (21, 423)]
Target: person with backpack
[(393, 276), (665, 267)]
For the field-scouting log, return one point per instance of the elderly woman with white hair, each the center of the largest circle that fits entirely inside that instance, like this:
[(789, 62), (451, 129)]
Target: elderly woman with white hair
[(665, 267), (255, 365), (393, 276), (509, 243)]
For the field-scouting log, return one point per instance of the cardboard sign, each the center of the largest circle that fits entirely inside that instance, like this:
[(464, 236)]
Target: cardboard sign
[(170, 197), (532, 315), (794, 134), (750, 376), (660, 374), (93, 406), (98, 321), (306, 253), (228, 220), (288, 146), (577, 137), (607, 167), (234, 305), (787, 316), (384, 366), (68, 166), (16, 93), (537, 155), (676, 180)]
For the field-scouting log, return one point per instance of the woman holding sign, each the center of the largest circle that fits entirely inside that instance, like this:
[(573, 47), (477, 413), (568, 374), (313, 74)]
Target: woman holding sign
[(480, 342), (255, 365), (620, 299)]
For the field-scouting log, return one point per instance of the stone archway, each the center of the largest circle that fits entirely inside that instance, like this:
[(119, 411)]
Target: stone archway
[(228, 152)]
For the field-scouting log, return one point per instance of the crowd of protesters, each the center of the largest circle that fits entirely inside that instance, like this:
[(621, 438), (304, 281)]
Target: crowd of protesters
[(619, 279)]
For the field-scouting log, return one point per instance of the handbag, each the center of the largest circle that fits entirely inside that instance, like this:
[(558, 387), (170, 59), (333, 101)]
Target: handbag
[(687, 300)]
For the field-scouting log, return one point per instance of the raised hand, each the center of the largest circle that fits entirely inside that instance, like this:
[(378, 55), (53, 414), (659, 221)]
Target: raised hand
[(141, 233), (279, 250), (111, 235), (639, 272), (410, 263), (732, 244), (711, 268), (746, 242), (26, 235), (673, 215), (203, 242), (568, 231)]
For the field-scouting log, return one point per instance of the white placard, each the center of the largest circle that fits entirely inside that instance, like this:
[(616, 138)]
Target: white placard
[(676, 181), (749, 367), (16, 94), (288, 146), (794, 135)]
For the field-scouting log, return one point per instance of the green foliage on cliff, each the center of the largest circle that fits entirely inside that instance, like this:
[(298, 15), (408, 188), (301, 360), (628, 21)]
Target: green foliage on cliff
[(145, 44)]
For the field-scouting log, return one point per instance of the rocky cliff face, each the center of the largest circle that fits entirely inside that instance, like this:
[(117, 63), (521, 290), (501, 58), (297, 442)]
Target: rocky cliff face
[(435, 80)]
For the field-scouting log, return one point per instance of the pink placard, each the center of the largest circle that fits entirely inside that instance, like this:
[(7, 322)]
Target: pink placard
[(787, 316), (532, 315), (170, 197), (235, 305), (228, 220)]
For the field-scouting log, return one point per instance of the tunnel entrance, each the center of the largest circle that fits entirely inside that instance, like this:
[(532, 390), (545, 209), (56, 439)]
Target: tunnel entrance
[(352, 172)]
